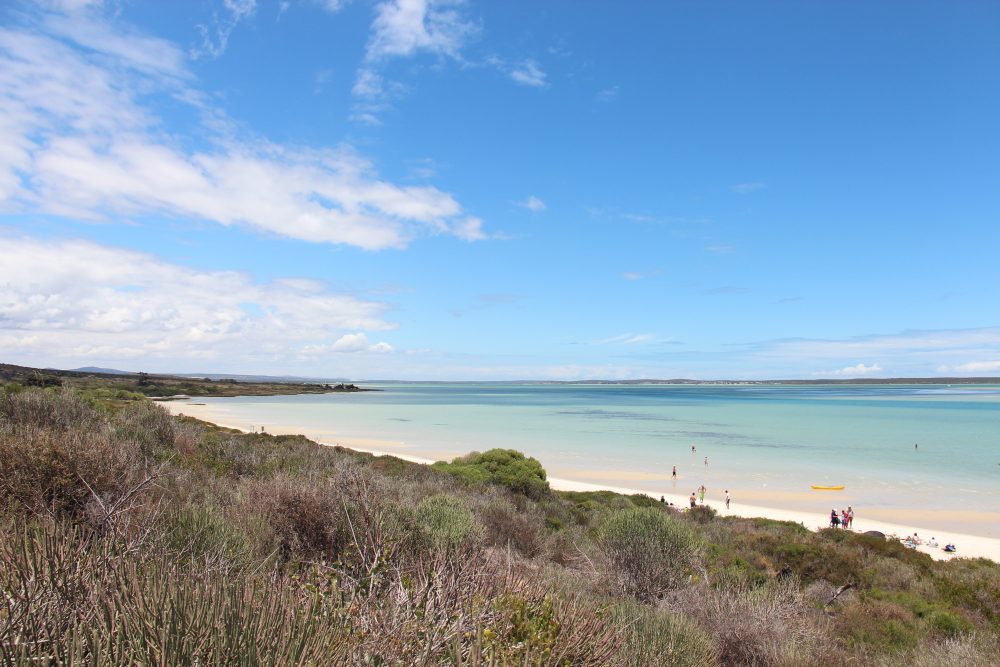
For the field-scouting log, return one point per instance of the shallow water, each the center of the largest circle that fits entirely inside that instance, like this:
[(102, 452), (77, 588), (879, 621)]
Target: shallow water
[(762, 442)]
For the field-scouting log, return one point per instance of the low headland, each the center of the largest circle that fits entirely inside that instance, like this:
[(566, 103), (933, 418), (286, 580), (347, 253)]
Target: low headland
[(129, 535)]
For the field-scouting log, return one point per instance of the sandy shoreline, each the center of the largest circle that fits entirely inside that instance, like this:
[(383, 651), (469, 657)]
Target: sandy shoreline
[(969, 546)]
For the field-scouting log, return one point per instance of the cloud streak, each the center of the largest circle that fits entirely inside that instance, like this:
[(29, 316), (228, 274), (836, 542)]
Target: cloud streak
[(533, 204), (78, 139)]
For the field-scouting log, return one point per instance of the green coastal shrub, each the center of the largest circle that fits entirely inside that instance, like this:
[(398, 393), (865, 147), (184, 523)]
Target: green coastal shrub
[(445, 522), (651, 638), (506, 467), (649, 551)]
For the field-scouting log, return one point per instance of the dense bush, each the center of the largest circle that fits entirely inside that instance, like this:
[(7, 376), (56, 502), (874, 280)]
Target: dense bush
[(506, 467)]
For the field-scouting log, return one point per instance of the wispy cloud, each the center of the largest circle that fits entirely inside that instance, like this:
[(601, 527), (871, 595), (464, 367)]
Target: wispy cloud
[(907, 353), (747, 188), (607, 94), (346, 344), (528, 73), (79, 140), (727, 289), (720, 249), (404, 29), (533, 204), (215, 36), (641, 275), (332, 6), (525, 72), (972, 367), (321, 79), (627, 339), (858, 370)]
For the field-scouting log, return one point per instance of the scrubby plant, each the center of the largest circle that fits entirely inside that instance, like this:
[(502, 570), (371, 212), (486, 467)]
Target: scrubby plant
[(649, 551), (446, 523), (771, 624), (653, 637)]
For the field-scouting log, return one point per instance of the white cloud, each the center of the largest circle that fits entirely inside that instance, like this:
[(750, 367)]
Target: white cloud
[(528, 73), (403, 28), (78, 138), (972, 367), (627, 339), (348, 343), (332, 6), (640, 275), (470, 229), (215, 37), (746, 188), (922, 344), (533, 204), (859, 370), (79, 300)]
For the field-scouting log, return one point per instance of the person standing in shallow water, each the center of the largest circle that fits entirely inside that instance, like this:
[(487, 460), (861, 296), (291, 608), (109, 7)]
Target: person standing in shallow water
[(673, 475)]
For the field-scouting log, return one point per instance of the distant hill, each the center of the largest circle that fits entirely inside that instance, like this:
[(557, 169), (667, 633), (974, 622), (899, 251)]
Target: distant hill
[(103, 371)]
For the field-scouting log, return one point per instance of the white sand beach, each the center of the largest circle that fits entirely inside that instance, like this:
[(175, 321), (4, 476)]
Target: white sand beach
[(969, 546)]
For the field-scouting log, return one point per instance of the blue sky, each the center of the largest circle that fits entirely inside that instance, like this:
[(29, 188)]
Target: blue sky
[(419, 189)]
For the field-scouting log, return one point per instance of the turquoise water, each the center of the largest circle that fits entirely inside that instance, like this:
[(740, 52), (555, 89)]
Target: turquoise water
[(761, 441)]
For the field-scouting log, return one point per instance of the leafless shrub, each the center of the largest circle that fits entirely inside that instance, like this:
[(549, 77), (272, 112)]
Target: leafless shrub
[(757, 625), (961, 651), (305, 517), (59, 410), (506, 525)]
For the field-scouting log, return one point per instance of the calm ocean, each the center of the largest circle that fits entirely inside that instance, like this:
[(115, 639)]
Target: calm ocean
[(761, 441)]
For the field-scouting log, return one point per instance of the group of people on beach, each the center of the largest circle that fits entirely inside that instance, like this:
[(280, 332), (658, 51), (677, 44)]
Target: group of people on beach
[(842, 520), (914, 540)]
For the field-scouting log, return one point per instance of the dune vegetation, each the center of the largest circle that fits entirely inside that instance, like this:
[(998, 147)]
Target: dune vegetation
[(128, 536)]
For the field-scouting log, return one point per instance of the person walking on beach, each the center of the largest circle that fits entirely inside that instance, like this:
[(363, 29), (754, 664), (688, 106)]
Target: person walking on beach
[(701, 493), (692, 500), (850, 516), (727, 499), (834, 519)]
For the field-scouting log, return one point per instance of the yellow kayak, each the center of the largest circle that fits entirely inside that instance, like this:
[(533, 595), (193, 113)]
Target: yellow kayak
[(827, 488)]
